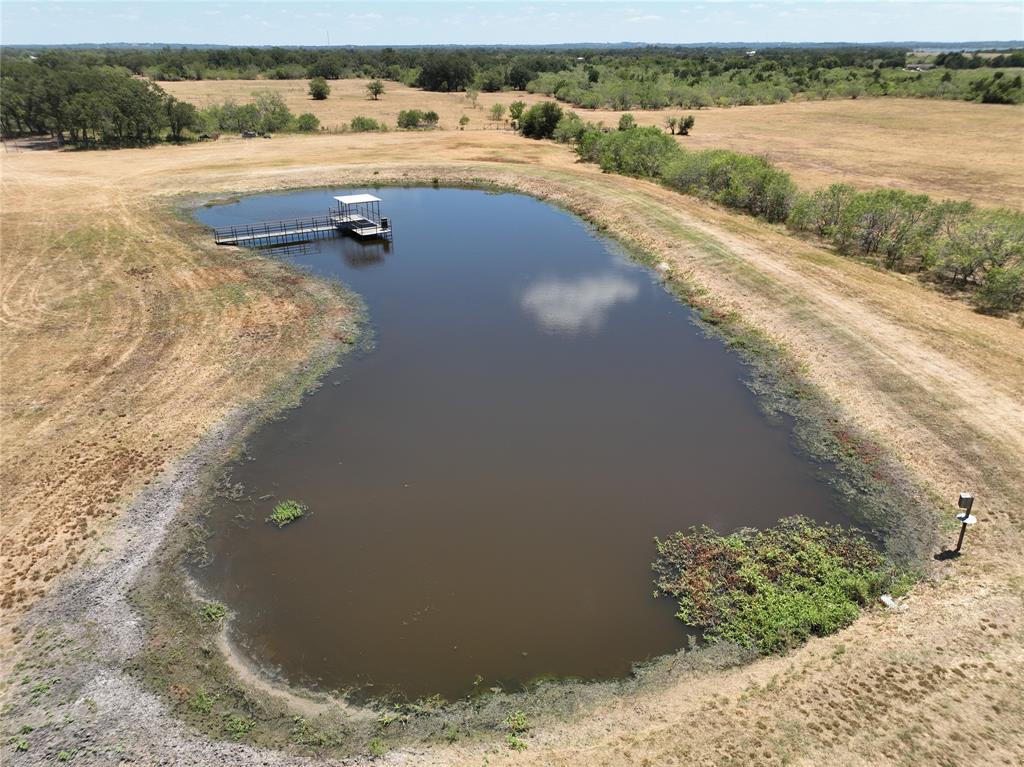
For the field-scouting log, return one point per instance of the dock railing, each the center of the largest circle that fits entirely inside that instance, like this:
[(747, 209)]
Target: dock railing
[(286, 230)]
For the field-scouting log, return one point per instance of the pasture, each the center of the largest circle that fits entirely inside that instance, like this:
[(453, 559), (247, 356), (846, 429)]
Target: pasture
[(947, 149)]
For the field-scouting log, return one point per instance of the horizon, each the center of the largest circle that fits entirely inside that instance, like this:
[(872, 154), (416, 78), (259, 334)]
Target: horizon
[(233, 23)]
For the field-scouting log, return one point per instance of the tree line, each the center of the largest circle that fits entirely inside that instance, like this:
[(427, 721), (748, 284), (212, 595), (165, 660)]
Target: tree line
[(108, 106), (954, 243)]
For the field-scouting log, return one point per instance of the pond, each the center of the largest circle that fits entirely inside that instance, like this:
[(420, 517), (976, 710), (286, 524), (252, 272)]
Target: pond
[(484, 484)]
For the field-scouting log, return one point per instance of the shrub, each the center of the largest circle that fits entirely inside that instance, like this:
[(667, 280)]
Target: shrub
[(307, 123), (540, 120), (362, 124), (970, 241), (637, 152), (627, 122), (569, 129), (737, 180), (375, 89), (1003, 290), (286, 512), (319, 89), (770, 589), (822, 211), (415, 118), (887, 222)]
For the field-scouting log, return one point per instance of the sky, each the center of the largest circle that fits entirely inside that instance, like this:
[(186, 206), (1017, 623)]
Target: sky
[(382, 22)]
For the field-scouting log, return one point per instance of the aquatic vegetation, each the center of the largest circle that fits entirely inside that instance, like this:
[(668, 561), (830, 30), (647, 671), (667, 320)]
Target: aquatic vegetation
[(286, 512), (771, 589)]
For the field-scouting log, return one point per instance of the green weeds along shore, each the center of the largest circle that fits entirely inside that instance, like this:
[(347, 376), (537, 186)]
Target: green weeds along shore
[(771, 589)]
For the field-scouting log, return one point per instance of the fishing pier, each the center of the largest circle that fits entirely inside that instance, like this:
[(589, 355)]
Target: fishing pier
[(356, 215)]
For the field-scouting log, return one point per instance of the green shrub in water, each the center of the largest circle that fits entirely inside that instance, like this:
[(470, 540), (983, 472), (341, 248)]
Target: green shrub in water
[(286, 512), (771, 589)]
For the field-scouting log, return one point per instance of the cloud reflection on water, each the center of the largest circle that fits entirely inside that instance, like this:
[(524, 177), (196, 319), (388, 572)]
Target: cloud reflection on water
[(568, 307)]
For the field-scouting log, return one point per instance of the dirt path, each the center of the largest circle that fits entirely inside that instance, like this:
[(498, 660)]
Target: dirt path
[(128, 340)]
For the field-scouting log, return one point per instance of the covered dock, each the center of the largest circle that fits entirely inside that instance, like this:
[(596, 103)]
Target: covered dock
[(360, 215)]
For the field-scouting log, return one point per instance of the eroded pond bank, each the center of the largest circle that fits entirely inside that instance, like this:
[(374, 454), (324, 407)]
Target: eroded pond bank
[(485, 483)]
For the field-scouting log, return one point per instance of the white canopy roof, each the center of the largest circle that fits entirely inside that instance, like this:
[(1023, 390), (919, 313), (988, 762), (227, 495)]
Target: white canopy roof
[(353, 199)]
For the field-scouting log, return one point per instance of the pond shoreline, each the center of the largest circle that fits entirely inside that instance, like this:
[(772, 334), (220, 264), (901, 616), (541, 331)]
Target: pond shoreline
[(776, 381), (779, 389)]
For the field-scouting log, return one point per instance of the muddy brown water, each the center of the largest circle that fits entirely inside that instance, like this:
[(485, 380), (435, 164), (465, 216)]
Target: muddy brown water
[(485, 483)]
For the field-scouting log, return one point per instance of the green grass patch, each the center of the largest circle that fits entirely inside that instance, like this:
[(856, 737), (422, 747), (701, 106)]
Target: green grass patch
[(213, 612), (771, 589), (237, 727), (201, 702), (286, 512)]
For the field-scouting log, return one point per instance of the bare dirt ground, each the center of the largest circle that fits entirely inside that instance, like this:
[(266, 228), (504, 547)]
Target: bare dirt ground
[(948, 149), (127, 338)]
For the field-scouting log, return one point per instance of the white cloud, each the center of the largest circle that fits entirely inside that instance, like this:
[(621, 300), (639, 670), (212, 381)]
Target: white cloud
[(570, 306), (643, 19)]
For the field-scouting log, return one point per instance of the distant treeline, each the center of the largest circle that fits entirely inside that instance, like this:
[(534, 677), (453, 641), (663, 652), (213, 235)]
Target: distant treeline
[(958, 60), (625, 78), (952, 242)]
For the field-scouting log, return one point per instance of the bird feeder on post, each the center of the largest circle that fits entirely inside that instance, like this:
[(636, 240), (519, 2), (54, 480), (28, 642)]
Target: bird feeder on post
[(965, 502)]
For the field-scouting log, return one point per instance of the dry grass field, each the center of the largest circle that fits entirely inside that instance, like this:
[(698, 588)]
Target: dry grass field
[(127, 336), (948, 149)]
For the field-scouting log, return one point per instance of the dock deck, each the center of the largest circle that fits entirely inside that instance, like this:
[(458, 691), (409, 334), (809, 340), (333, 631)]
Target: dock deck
[(357, 215)]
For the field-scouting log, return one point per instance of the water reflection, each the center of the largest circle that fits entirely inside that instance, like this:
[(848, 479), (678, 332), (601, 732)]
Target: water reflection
[(366, 254), (567, 307)]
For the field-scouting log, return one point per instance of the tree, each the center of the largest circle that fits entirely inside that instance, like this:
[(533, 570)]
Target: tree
[(181, 116), (375, 88), (471, 96), (497, 112), (319, 89), (491, 80), (274, 114), (671, 123), (627, 122), (515, 110), (463, 122), (685, 124), (519, 75), (540, 120), (445, 72), (326, 66)]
